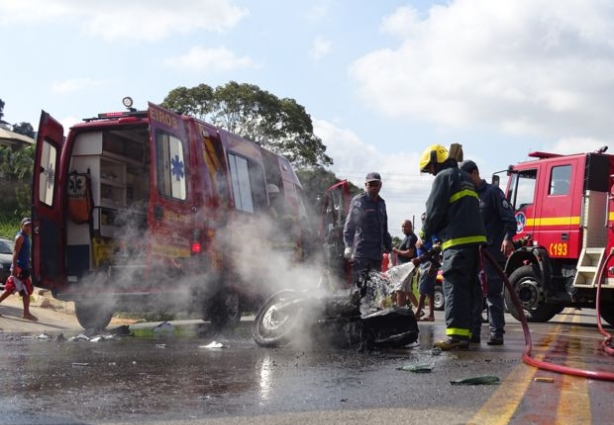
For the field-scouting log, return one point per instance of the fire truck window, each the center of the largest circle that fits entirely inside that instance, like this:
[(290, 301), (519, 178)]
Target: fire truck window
[(524, 185), (46, 178), (171, 166), (559, 180), (241, 185)]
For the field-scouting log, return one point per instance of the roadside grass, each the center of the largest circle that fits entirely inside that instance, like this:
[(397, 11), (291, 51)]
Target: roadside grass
[(9, 226)]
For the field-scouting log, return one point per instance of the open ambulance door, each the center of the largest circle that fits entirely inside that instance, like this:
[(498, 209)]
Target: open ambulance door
[(335, 207), (48, 205), (170, 213)]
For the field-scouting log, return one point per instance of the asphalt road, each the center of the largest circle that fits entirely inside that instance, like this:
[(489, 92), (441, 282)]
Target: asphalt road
[(169, 377)]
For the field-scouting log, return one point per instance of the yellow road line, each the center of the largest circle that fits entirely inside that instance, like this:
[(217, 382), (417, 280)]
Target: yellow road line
[(574, 401), (500, 407)]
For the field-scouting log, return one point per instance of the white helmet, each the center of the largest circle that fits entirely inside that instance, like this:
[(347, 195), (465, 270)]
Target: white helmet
[(272, 188)]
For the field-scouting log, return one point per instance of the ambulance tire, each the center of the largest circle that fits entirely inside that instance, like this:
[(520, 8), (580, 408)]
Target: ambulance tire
[(607, 312), (438, 299), (529, 288), (93, 315), (225, 310)]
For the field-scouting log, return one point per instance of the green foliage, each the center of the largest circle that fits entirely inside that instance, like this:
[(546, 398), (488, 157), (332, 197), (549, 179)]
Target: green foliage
[(9, 225), (280, 125), (316, 182), (24, 128), (17, 164)]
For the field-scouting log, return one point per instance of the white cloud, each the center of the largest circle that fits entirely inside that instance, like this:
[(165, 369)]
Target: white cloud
[(525, 67), (318, 12), (571, 145), (75, 85), (199, 58), (401, 23), (320, 48), (69, 122), (404, 188), (146, 20)]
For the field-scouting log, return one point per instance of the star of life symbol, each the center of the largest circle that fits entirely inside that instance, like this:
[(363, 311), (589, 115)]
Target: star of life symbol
[(177, 168), (49, 174), (521, 221)]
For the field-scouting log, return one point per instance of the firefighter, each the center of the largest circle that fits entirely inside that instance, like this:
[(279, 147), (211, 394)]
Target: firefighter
[(365, 233), (453, 214), (500, 226)]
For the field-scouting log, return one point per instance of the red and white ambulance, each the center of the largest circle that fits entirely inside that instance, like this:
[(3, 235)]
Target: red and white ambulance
[(143, 210)]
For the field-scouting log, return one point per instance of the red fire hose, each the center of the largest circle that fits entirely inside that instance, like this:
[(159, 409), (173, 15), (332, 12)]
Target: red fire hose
[(540, 364)]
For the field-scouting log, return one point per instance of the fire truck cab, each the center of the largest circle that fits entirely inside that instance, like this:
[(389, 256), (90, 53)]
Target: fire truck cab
[(564, 208), (149, 211)]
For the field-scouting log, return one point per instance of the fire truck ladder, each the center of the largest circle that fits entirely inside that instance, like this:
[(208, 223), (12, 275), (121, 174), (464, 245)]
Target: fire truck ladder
[(594, 239)]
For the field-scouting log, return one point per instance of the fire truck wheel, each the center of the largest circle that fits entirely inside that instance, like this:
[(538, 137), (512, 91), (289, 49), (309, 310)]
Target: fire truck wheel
[(529, 288), (607, 312), (225, 310), (93, 315)]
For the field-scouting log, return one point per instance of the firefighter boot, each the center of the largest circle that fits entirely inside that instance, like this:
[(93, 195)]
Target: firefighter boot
[(452, 344), (495, 340)]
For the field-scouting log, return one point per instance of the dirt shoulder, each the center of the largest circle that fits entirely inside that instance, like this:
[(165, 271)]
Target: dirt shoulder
[(53, 316)]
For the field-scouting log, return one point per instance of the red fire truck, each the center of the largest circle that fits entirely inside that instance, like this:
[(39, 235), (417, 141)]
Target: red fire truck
[(150, 210), (565, 210)]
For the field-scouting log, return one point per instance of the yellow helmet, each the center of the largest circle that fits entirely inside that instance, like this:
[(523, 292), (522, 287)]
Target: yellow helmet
[(434, 154)]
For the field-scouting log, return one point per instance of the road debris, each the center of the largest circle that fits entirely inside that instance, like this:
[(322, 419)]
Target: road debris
[(80, 337), (478, 380), (543, 379), (213, 344), (417, 368)]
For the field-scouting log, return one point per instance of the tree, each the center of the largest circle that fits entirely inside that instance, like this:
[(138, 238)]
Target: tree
[(17, 164), (1, 109), (24, 128), (315, 182), (280, 125)]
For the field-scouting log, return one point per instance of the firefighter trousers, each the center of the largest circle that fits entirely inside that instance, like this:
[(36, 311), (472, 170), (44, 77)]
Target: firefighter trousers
[(494, 300), (461, 288)]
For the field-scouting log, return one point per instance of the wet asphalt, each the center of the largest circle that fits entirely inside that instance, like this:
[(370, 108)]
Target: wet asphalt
[(172, 376)]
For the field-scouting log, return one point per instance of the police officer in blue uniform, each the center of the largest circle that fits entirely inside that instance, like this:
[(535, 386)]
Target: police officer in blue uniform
[(500, 224), (365, 233), (453, 214)]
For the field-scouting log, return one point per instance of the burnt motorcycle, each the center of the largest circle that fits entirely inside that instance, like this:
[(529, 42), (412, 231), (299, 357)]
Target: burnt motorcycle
[(362, 315)]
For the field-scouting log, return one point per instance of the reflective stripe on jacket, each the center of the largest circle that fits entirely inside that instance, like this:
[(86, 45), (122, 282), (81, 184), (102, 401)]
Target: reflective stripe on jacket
[(453, 209)]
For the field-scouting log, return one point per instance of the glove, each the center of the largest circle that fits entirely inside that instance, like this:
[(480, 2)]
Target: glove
[(347, 254)]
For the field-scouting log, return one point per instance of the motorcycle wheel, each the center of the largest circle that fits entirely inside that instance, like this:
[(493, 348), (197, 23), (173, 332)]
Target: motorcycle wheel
[(278, 319)]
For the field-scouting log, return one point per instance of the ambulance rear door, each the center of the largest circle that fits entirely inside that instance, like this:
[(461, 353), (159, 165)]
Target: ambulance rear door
[(171, 208), (48, 205)]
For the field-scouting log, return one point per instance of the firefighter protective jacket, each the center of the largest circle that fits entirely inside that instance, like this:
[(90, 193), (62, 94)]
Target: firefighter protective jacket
[(366, 227), (498, 217), (452, 209)]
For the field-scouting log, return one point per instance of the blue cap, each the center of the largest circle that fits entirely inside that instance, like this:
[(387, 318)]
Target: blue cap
[(373, 177)]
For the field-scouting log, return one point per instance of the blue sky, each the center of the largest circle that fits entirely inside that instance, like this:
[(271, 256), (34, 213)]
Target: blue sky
[(381, 80)]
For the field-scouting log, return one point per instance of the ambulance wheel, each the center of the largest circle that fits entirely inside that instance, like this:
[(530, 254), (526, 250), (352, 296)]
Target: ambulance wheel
[(529, 288), (225, 310), (438, 299), (93, 315), (607, 312)]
